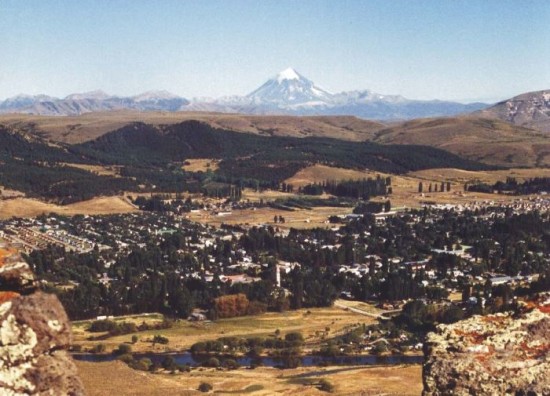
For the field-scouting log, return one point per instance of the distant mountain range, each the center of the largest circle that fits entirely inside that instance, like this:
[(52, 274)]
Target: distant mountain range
[(531, 110), (77, 104), (288, 93)]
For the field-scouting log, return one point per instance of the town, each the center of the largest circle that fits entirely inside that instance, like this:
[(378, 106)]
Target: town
[(460, 259)]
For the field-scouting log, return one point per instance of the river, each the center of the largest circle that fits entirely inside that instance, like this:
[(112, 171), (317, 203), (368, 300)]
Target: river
[(306, 361)]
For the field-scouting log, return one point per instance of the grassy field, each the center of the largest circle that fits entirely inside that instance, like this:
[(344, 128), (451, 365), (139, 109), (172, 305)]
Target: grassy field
[(115, 378), (299, 218), (111, 170), (320, 173), (405, 187), (26, 207), (313, 324), (201, 165), (405, 194)]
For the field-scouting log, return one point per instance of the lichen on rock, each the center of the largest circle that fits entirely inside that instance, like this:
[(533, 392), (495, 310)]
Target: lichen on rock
[(34, 336), (501, 354)]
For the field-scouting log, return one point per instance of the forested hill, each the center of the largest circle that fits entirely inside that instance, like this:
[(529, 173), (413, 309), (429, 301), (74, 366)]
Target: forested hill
[(244, 154), (151, 159), (17, 146)]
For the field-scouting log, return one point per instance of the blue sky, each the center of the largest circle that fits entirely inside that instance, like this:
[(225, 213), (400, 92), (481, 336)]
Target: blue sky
[(460, 50)]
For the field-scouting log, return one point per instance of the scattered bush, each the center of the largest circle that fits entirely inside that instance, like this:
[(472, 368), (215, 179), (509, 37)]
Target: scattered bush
[(143, 364), (231, 364), (126, 358), (122, 349), (99, 348), (205, 387), (168, 363), (326, 386), (212, 362), (158, 339)]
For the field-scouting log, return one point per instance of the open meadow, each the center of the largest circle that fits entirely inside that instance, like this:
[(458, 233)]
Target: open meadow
[(28, 207), (315, 324), (116, 378)]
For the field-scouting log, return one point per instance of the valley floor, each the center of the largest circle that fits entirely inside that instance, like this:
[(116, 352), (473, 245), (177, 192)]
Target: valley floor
[(116, 378)]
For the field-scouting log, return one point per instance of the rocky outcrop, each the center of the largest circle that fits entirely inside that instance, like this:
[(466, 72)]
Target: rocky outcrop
[(35, 334), (501, 354)]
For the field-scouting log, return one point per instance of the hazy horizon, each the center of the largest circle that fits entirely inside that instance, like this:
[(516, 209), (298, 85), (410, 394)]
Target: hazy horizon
[(462, 51)]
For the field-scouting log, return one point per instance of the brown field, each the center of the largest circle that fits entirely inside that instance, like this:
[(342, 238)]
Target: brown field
[(6, 193), (201, 165), (405, 187), (115, 378), (184, 333), (27, 207), (78, 129), (111, 170), (491, 141), (491, 177), (320, 173), (299, 218)]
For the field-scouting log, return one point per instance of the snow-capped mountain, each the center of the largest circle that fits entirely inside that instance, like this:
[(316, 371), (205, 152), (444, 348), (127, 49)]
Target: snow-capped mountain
[(291, 93), (287, 89), (288, 92)]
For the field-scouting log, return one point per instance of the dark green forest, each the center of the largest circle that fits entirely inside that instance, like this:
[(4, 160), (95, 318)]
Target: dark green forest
[(150, 159)]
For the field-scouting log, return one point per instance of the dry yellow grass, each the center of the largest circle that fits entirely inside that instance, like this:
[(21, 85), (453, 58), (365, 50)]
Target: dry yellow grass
[(201, 165), (27, 207), (77, 129), (112, 170), (405, 187), (463, 176), (299, 218), (491, 141), (184, 333), (320, 173), (115, 378)]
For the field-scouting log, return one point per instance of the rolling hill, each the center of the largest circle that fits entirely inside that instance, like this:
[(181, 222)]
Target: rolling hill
[(477, 138), (86, 127), (531, 110), (481, 139)]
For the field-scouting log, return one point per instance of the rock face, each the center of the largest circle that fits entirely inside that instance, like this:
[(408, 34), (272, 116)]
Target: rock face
[(501, 354), (34, 336)]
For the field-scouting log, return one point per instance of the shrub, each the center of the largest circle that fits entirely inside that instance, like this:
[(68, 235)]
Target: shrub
[(380, 348), (99, 348), (294, 338), (199, 347), (231, 364), (126, 358), (212, 362), (123, 349), (143, 364), (168, 363), (158, 339), (326, 386), (102, 325), (205, 387), (135, 339)]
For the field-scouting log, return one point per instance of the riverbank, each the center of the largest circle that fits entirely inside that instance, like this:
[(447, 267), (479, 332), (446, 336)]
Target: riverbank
[(186, 358), (315, 324), (117, 378)]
